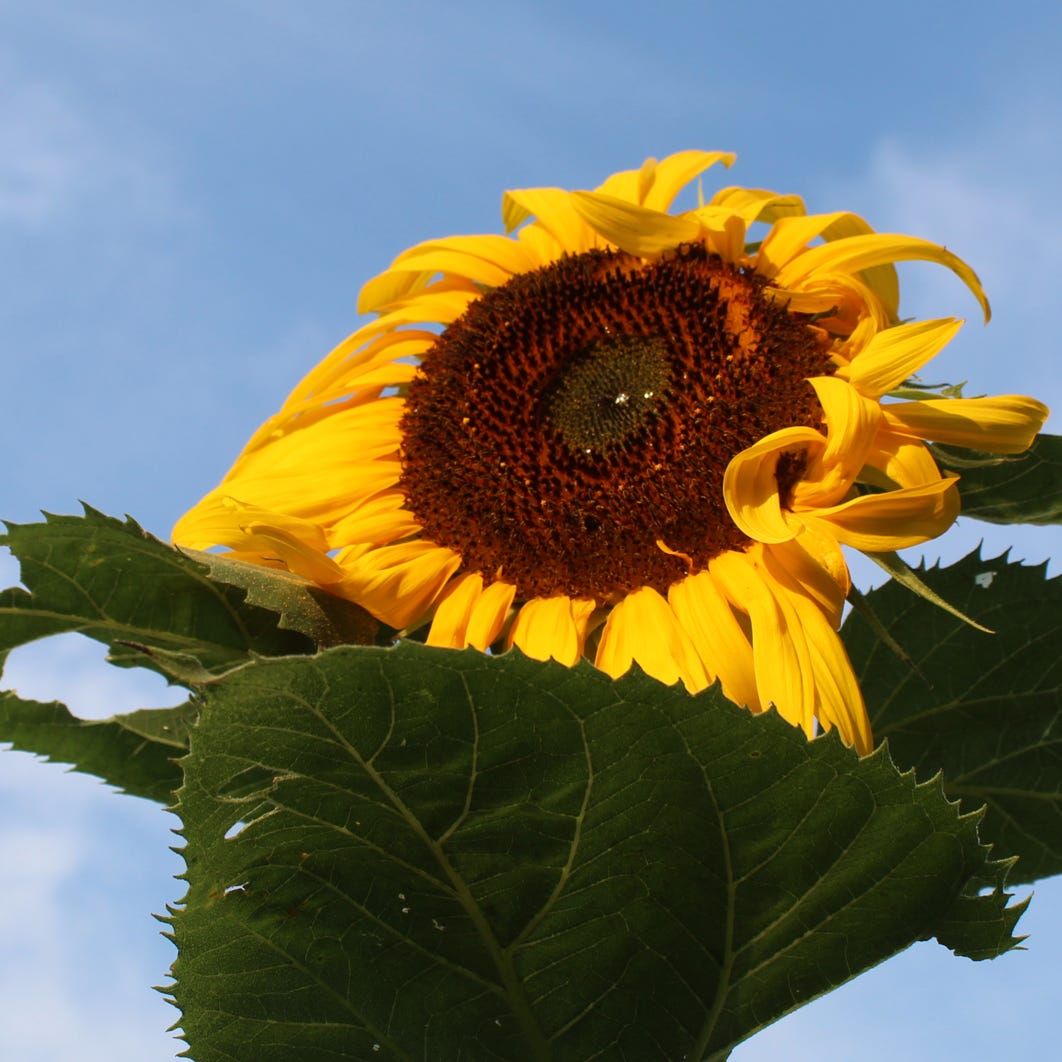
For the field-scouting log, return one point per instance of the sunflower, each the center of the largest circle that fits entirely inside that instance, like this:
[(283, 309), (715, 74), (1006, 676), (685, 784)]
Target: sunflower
[(624, 434)]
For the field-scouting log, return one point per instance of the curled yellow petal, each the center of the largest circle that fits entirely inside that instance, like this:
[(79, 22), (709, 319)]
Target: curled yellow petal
[(877, 523), (859, 253), (1003, 424), (851, 425), (750, 485), (901, 461)]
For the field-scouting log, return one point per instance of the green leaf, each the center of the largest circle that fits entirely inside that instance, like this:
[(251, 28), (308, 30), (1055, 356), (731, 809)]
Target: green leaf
[(1013, 489), (986, 709), (137, 753), (325, 619), (117, 584), (418, 853)]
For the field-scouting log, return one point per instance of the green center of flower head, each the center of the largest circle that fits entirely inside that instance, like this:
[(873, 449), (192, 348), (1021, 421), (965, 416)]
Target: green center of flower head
[(607, 393), (581, 414)]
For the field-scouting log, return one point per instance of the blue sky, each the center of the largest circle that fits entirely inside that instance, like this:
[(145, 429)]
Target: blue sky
[(191, 196)]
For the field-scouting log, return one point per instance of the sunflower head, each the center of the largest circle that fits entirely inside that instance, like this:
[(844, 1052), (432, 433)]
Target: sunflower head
[(622, 433)]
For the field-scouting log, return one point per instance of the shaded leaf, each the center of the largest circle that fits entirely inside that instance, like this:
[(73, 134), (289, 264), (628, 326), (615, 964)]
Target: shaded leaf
[(136, 753), (1009, 489), (986, 709), (419, 853)]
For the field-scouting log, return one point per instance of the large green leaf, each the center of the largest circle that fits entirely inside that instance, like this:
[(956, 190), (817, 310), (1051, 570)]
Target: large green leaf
[(1012, 489), (986, 709), (137, 753), (417, 853)]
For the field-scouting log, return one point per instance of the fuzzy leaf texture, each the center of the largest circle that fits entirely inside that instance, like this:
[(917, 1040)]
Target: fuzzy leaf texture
[(415, 853), (1010, 489), (986, 709)]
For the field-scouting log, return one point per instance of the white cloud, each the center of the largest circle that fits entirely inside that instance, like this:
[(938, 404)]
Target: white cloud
[(78, 942)]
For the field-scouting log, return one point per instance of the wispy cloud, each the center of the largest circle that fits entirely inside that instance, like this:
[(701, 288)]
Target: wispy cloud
[(69, 851), (989, 195)]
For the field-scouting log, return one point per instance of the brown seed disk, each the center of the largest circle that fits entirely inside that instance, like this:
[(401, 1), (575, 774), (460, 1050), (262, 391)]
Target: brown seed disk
[(573, 417)]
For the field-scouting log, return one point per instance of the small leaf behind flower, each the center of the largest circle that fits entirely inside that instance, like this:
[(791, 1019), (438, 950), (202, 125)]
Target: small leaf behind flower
[(420, 853), (986, 709), (1011, 489)]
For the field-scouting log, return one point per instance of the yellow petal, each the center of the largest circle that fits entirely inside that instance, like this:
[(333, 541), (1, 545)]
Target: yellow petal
[(298, 556), (629, 184), (450, 622), (758, 204), (224, 520), (896, 353), (344, 367), (469, 615), (553, 211), (877, 523), (719, 638), (901, 460), (489, 614), (442, 307), (851, 425), (1003, 424), (837, 697), (789, 237), (377, 520), (816, 564), (397, 584), (857, 254), (782, 679), (634, 229), (385, 288), (750, 486), (552, 627), (643, 628), (501, 251), (672, 174)]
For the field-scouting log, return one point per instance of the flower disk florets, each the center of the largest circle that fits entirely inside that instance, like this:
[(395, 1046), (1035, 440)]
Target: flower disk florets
[(581, 414)]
